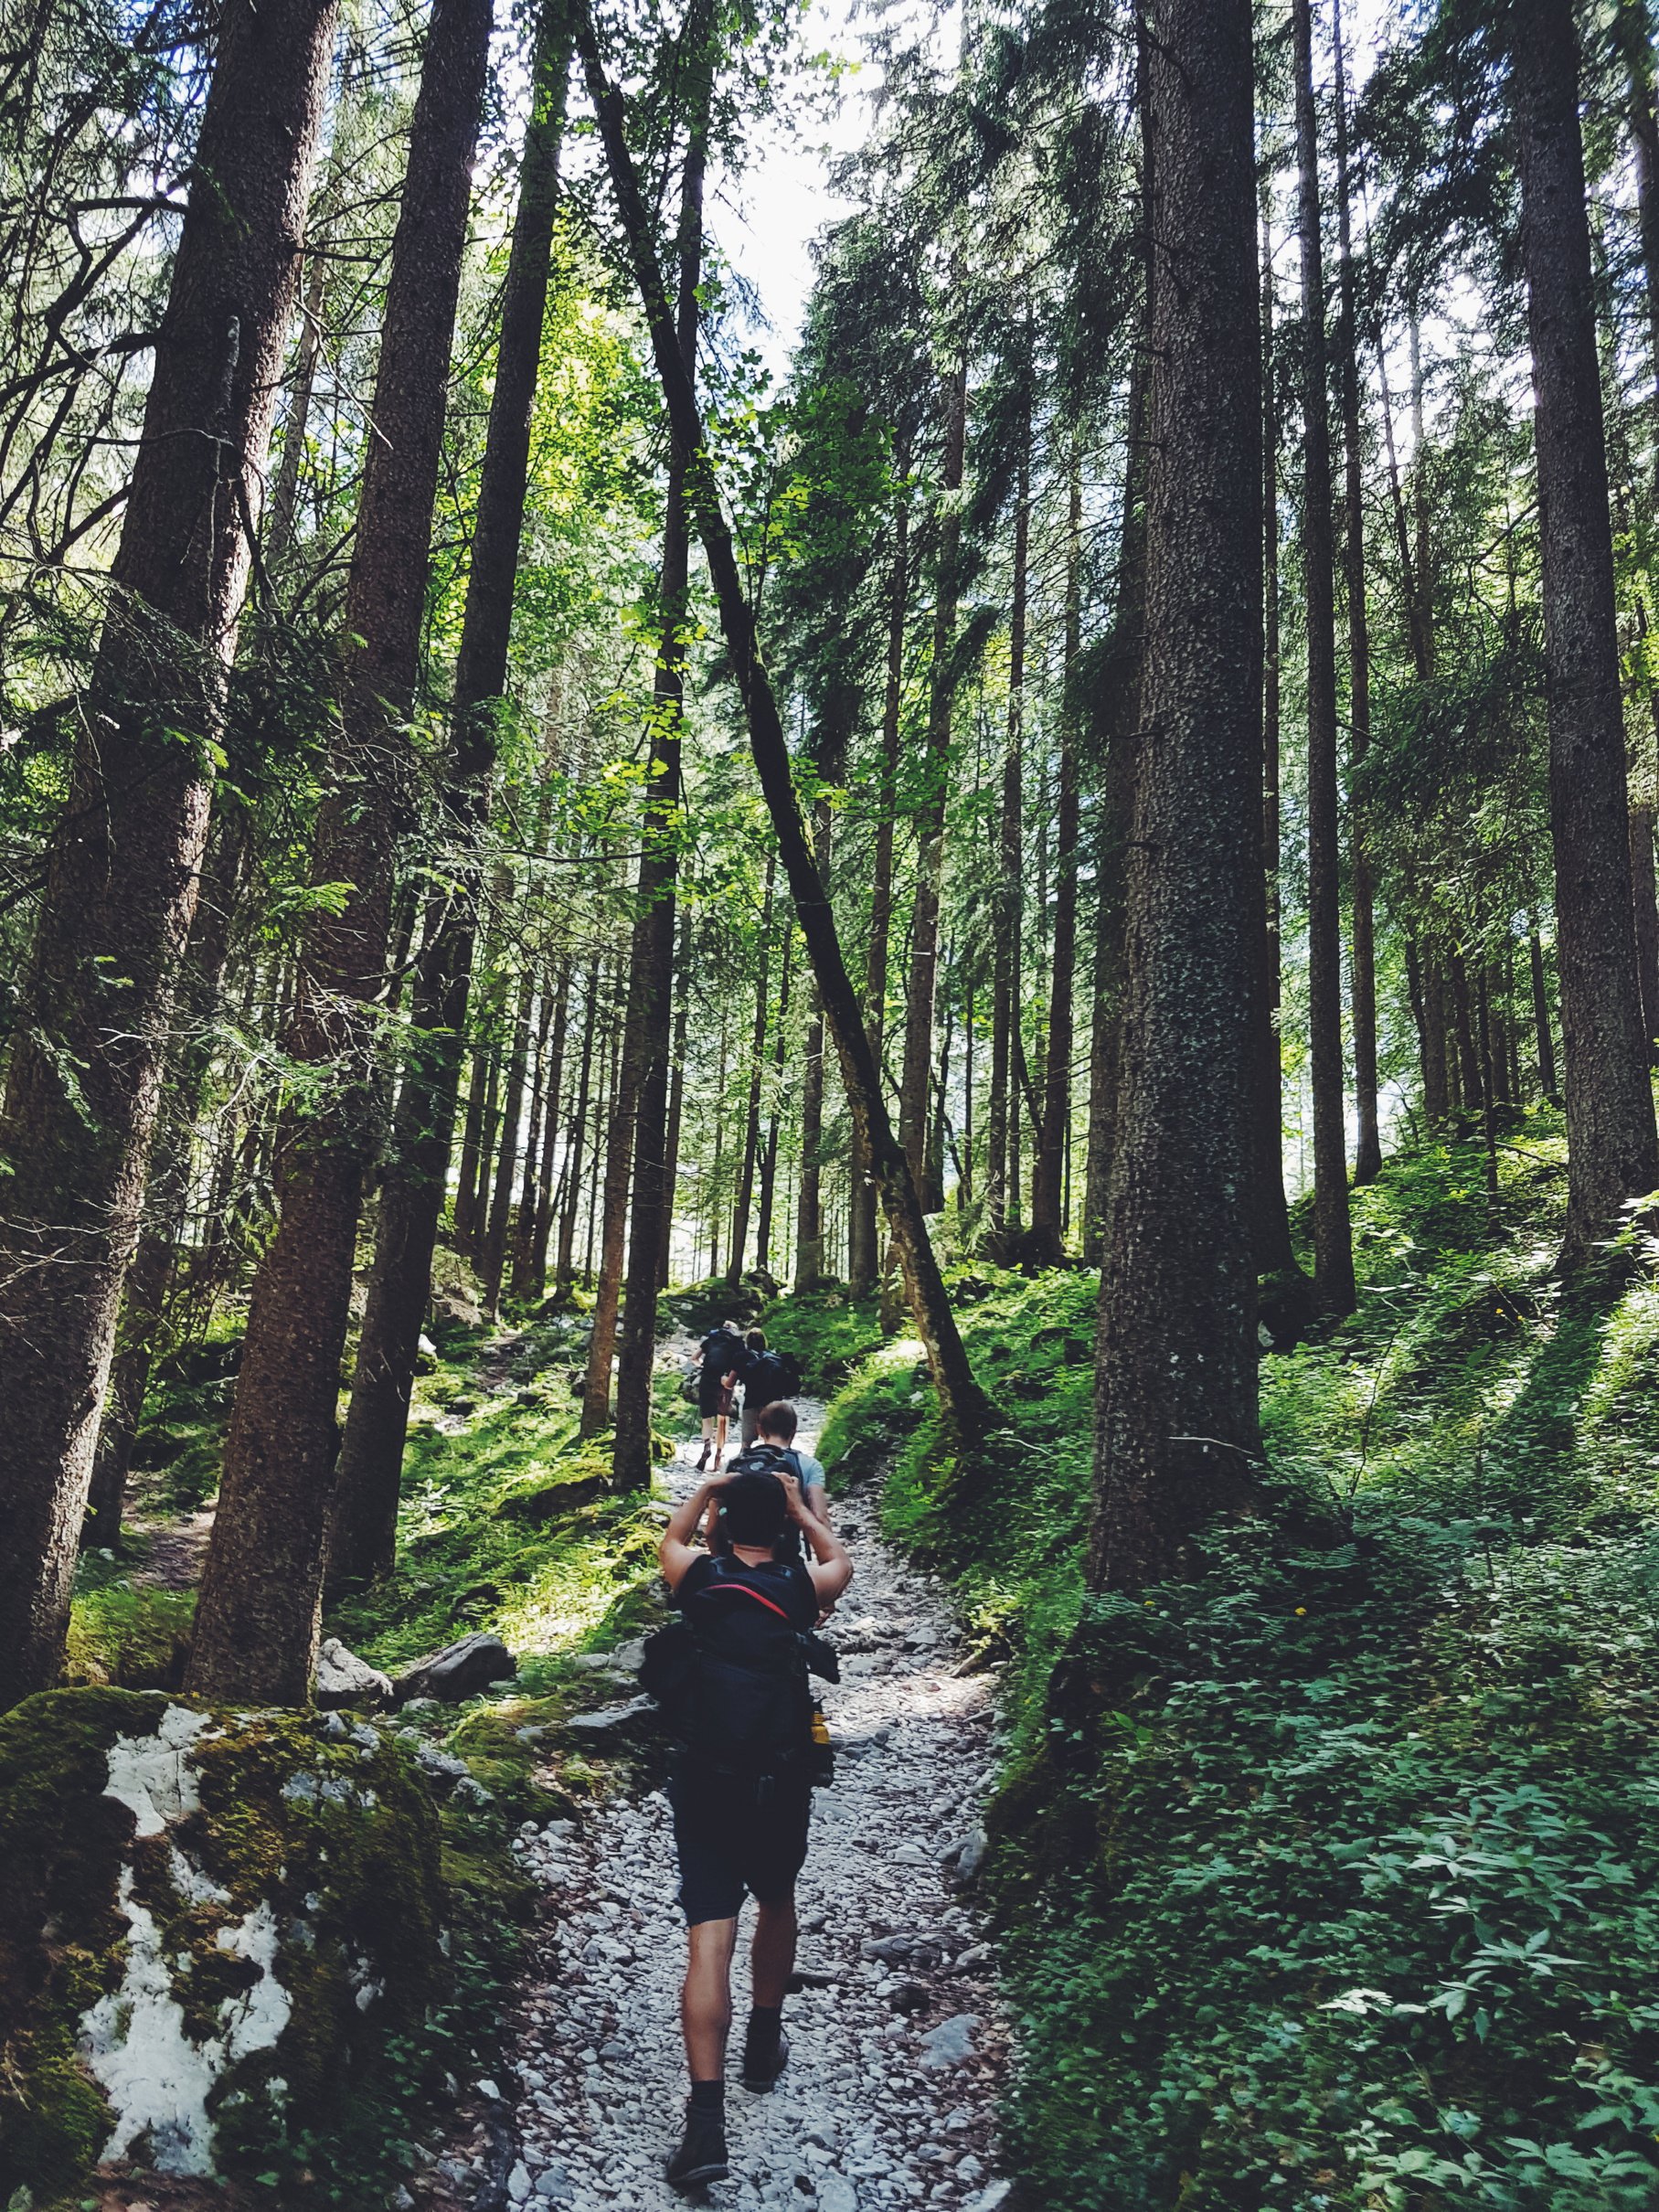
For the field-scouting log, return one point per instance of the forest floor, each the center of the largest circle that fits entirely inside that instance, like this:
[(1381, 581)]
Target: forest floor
[(896, 2069)]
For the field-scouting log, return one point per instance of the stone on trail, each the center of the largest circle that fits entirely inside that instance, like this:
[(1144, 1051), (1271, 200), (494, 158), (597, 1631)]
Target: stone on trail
[(344, 1679), (837, 2194), (615, 1724), (212, 1924), (949, 2044), (459, 1671)]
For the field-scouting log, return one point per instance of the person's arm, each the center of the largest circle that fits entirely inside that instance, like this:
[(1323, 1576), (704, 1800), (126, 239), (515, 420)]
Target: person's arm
[(676, 1551), (830, 1566)]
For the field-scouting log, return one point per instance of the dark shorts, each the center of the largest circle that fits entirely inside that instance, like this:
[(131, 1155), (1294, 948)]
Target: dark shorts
[(733, 1834), (712, 1397)]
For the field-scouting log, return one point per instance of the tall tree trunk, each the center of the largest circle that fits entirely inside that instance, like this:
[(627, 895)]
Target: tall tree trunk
[(1276, 1252), (964, 1406), (535, 1199), (123, 868), (809, 1202), (564, 1273), (864, 1256), (1049, 1183), (650, 983), (1613, 1151), (769, 1156), (1634, 39), (1003, 1188), (541, 1228), (1333, 1238), (1121, 718), (285, 488), (493, 1259), (1542, 1029), (676, 1096), (1175, 1424), (751, 1111), (257, 1619), (1362, 961), (930, 822), (363, 1536), (151, 1275)]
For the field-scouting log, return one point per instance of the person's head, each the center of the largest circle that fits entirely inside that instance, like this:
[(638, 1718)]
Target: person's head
[(778, 1423), (756, 1340), (750, 1509), (732, 1325)]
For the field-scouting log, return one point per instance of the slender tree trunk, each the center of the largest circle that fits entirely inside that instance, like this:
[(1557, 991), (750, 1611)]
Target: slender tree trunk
[(864, 1256), (492, 1263), (1542, 1029), (123, 867), (1333, 1245), (285, 489), (769, 1156), (1121, 718), (1175, 1375), (1634, 37), (257, 1619), (676, 1096), (1003, 1192), (535, 1201), (564, 1273), (1276, 1252), (931, 827), (1362, 960), (751, 1111), (1048, 1184), (541, 1230), (365, 1518), (965, 1410), (1613, 1151)]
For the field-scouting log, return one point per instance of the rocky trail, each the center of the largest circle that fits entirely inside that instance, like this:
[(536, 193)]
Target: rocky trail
[(897, 2066)]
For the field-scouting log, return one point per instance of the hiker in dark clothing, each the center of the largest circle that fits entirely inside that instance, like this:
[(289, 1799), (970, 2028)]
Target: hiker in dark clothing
[(742, 1791), (766, 1375), (719, 1357)]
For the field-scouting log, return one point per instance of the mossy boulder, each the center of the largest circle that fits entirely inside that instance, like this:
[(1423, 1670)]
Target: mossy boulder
[(213, 1925)]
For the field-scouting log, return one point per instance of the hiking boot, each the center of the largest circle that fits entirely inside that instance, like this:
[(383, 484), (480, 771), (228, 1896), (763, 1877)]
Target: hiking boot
[(704, 1461), (701, 2157), (764, 2062)]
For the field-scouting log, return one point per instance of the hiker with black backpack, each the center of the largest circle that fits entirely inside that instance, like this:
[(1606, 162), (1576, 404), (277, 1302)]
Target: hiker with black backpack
[(765, 1374), (733, 1679), (720, 1358)]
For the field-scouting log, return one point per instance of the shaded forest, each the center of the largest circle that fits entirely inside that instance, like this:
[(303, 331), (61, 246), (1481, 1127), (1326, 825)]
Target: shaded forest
[(1077, 841)]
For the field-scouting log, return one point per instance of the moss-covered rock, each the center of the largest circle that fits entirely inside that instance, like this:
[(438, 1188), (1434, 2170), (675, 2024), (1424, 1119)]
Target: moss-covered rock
[(212, 1924)]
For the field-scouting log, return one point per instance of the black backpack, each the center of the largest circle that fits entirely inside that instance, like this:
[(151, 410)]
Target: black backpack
[(769, 1375), (718, 1350), (731, 1677)]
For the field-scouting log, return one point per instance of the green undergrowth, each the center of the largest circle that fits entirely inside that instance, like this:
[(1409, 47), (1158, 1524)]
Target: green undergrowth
[(1326, 1879)]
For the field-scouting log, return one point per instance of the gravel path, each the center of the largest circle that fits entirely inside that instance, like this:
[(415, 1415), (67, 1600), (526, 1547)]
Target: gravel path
[(889, 2097)]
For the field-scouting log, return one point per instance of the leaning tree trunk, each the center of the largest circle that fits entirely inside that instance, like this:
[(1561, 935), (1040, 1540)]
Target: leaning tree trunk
[(1175, 1375), (123, 865), (1612, 1153), (966, 1411), (363, 1535), (256, 1623), (1333, 1237), (1362, 961)]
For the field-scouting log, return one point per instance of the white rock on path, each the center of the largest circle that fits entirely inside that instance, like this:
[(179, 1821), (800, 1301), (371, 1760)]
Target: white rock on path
[(867, 2091)]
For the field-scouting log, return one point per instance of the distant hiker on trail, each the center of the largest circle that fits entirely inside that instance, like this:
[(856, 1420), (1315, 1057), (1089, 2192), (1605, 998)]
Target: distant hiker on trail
[(776, 1450), (741, 1791), (766, 1375), (720, 1359)]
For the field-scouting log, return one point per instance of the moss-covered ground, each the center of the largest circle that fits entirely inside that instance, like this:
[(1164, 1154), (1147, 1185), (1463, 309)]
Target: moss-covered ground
[(1330, 1879)]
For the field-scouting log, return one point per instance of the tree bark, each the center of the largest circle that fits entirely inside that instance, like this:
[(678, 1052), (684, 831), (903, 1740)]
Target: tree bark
[(1612, 1150), (1333, 1241), (1362, 957), (1049, 1181), (564, 1273), (123, 865), (364, 1533), (1003, 1192), (493, 1257), (931, 827), (257, 1620), (1176, 1427), (676, 1096), (751, 1111), (862, 1243), (964, 1406)]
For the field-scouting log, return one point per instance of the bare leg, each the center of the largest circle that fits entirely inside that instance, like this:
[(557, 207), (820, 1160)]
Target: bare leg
[(705, 1999), (772, 1956)]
